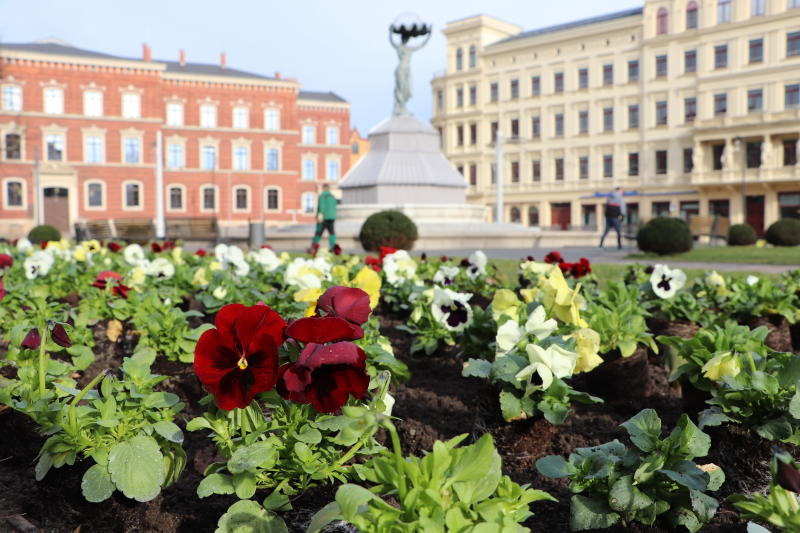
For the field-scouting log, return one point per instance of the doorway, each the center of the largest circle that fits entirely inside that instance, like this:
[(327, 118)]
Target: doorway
[(755, 213), (56, 209), (561, 215)]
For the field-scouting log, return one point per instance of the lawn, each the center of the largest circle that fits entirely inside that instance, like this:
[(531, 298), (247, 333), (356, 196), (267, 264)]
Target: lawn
[(789, 255)]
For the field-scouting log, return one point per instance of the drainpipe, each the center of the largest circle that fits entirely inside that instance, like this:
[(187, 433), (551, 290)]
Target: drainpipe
[(160, 223), (37, 186)]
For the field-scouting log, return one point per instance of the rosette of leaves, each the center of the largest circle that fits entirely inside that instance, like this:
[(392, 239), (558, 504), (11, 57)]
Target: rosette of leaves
[(762, 298), (613, 483), (165, 328), (619, 318), (780, 506)]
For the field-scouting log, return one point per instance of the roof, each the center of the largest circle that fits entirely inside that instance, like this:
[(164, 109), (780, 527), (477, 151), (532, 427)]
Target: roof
[(206, 69), (56, 48), (320, 96), (573, 24)]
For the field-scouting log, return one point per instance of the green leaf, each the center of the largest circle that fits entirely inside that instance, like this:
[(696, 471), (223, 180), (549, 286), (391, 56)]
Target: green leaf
[(309, 435), (351, 497), (96, 484), (777, 429), (156, 400), (644, 429), (712, 417), (169, 431), (686, 518), (586, 513), (794, 405), (244, 484), (249, 457), (215, 484), (687, 474), (475, 461), (554, 466), (277, 501), (689, 439), (137, 468), (198, 423), (477, 368), (323, 517), (511, 406), (624, 496), (627, 348), (82, 356), (704, 506), (247, 516)]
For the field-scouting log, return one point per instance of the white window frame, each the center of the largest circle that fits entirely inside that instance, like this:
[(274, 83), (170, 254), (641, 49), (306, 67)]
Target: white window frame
[(125, 206), (303, 175), (63, 137), (266, 158), (266, 199), (332, 131), (268, 119), (724, 9), (182, 164), (208, 116), (182, 188), (175, 117), (129, 109), (249, 206), (202, 157), (15, 98), (328, 176), (203, 188), (50, 104), (309, 134), (124, 159), (757, 8), (86, 205), (102, 158), (235, 157), (93, 107), (23, 193), (240, 111), (313, 206)]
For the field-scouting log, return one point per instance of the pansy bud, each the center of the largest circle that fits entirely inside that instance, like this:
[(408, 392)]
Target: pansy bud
[(60, 336), (32, 340)]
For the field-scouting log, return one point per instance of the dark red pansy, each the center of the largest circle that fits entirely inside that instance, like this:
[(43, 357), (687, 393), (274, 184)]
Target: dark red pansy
[(60, 337), (117, 288), (581, 268), (323, 329), (156, 247), (114, 247), (553, 257), (464, 263), (443, 259), (43, 244), (424, 256), (32, 340), (239, 358), (530, 258), (352, 304), (337, 250), (6, 261), (2, 290), (267, 246), (325, 376), (200, 253), (373, 262), (788, 477)]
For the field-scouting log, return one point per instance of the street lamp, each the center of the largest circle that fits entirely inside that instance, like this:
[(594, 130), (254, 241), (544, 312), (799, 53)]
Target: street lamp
[(738, 145), (500, 142)]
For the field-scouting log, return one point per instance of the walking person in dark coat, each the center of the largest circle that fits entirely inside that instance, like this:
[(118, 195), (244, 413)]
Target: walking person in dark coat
[(615, 214)]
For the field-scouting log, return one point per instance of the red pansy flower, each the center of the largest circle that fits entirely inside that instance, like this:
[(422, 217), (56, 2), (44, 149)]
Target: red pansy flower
[(239, 358), (114, 247), (553, 257), (529, 258), (6, 261), (155, 247), (117, 289), (565, 267), (386, 250), (352, 304), (373, 262), (443, 259), (323, 329), (60, 337), (337, 250), (325, 375), (266, 246), (32, 340), (200, 253), (581, 268)]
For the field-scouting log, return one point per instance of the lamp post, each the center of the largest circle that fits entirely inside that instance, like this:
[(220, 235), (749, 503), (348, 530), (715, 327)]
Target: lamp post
[(738, 145)]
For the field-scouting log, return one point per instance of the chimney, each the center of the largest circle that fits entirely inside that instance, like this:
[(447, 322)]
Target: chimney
[(182, 58), (277, 75), (147, 54), (223, 60)]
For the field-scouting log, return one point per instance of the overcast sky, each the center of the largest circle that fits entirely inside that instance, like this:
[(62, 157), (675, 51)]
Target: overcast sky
[(336, 45)]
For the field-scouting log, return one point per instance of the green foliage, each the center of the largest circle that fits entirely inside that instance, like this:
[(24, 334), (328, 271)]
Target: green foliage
[(44, 233), (741, 235), (388, 228), (665, 235), (613, 483), (165, 328), (784, 232), (619, 318), (779, 507)]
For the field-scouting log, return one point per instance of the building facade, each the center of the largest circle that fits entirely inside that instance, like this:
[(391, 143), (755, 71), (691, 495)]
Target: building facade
[(691, 106), (235, 145)]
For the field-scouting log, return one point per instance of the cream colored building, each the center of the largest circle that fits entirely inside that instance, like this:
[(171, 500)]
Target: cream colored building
[(679, 102)]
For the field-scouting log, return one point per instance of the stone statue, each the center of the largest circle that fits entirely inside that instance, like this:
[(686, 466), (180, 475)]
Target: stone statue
[(402, 74)]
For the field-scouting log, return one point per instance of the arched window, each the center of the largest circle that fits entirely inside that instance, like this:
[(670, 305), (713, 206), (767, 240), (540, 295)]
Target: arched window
[(533, 216), (691, 15), (661, 21), (473, 56), (723, 11), (459, 59), (516, 218)]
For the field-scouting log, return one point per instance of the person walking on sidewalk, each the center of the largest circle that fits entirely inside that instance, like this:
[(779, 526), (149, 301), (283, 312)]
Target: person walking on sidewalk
[(326, 217), (615, 214)]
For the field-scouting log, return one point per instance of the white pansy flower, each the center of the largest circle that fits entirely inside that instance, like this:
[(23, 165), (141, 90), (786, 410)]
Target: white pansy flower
[(399, 267), (23, 244), (232, 256), (508, 335), (666, 281), (477, 264), (220, 292), (445, 275), (38, 264), (751, 280), (547, 363), (267, 258), (323, 265), (713, 279), (451, 309), (160, 268), (302, 274), (539, 325), (133, 254)]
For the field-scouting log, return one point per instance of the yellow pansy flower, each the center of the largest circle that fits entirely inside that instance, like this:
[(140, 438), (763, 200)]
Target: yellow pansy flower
[(719, 366), (528, 295), (505, 303), (559, 300), (340, 274), (215, 265), (587, 346), (309, 296), (177, 255), (137, 276), (79, 253), (370, 282), (199, 277)]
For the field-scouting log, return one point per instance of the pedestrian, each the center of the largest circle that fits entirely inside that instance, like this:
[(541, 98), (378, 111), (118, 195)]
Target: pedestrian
[(615, 213), (326, 216)]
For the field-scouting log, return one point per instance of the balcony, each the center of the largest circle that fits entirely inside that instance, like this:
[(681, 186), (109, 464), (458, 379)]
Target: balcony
[(752, 175)]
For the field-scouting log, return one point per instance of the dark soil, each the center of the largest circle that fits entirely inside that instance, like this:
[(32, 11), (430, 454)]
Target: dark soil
[(437, 403)]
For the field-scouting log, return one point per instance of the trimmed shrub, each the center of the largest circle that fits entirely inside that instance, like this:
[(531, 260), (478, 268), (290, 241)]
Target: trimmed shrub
[(784, 232), (44, 233), (388, 228), (665, 235), (741, 235)]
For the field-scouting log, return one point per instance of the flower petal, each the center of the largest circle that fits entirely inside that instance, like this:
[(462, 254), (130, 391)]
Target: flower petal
[(213, 359), (332, 385), (323, 329)]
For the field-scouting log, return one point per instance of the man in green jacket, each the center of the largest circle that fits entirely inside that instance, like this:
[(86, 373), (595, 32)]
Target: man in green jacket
[(326, 216)]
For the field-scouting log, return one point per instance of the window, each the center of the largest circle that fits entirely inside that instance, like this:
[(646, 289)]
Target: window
[(721, 56), (94, 194), (720, 104), (272, 120), (273, 199), (755, 100), (208, 157), (514, 128), (309, 134), (13, 146), (536, 86), (12, 98), (559, 124), (309, 169), (791, 4), (459, 59), (439, 99), (536, 127), (473, 134), (174, 114), (332, 135), (93, 149), (459, 97), (559, 169), (752, 152), (690, 61), (691, 16), (583, 78), (661, 161), (756, 50), (608, 119), (132, 106), (54, 101), (536, 170), (208, 116), (756, 7), (132, 148), (93, 103), (661, 113), (583, 167), (792, 95), (175, 158), (241, 158), (793, 44), (333, 170), (608, 166), (633, 116), (608, 75), (176, 198), (473, 95), (241, 118), (515, 172), (55, 147), (723, 11), (720, 208), (688, 160), (533, 216), (633, 70), (789, 204), (662, 21), (493, 92), (558, 82), (514, 89), (689, 109), (273, 159), (460, 135), (14, 197), (473, 56), (241, 199), (209, 198), (493, 130), (132, 195), (473, 174), (717, 152), (661, 66), (789, 152), (309, 202), (583, 122), (633, 164)]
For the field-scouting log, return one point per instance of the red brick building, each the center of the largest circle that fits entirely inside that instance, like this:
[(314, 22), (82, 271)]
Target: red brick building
[(234, 145)]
